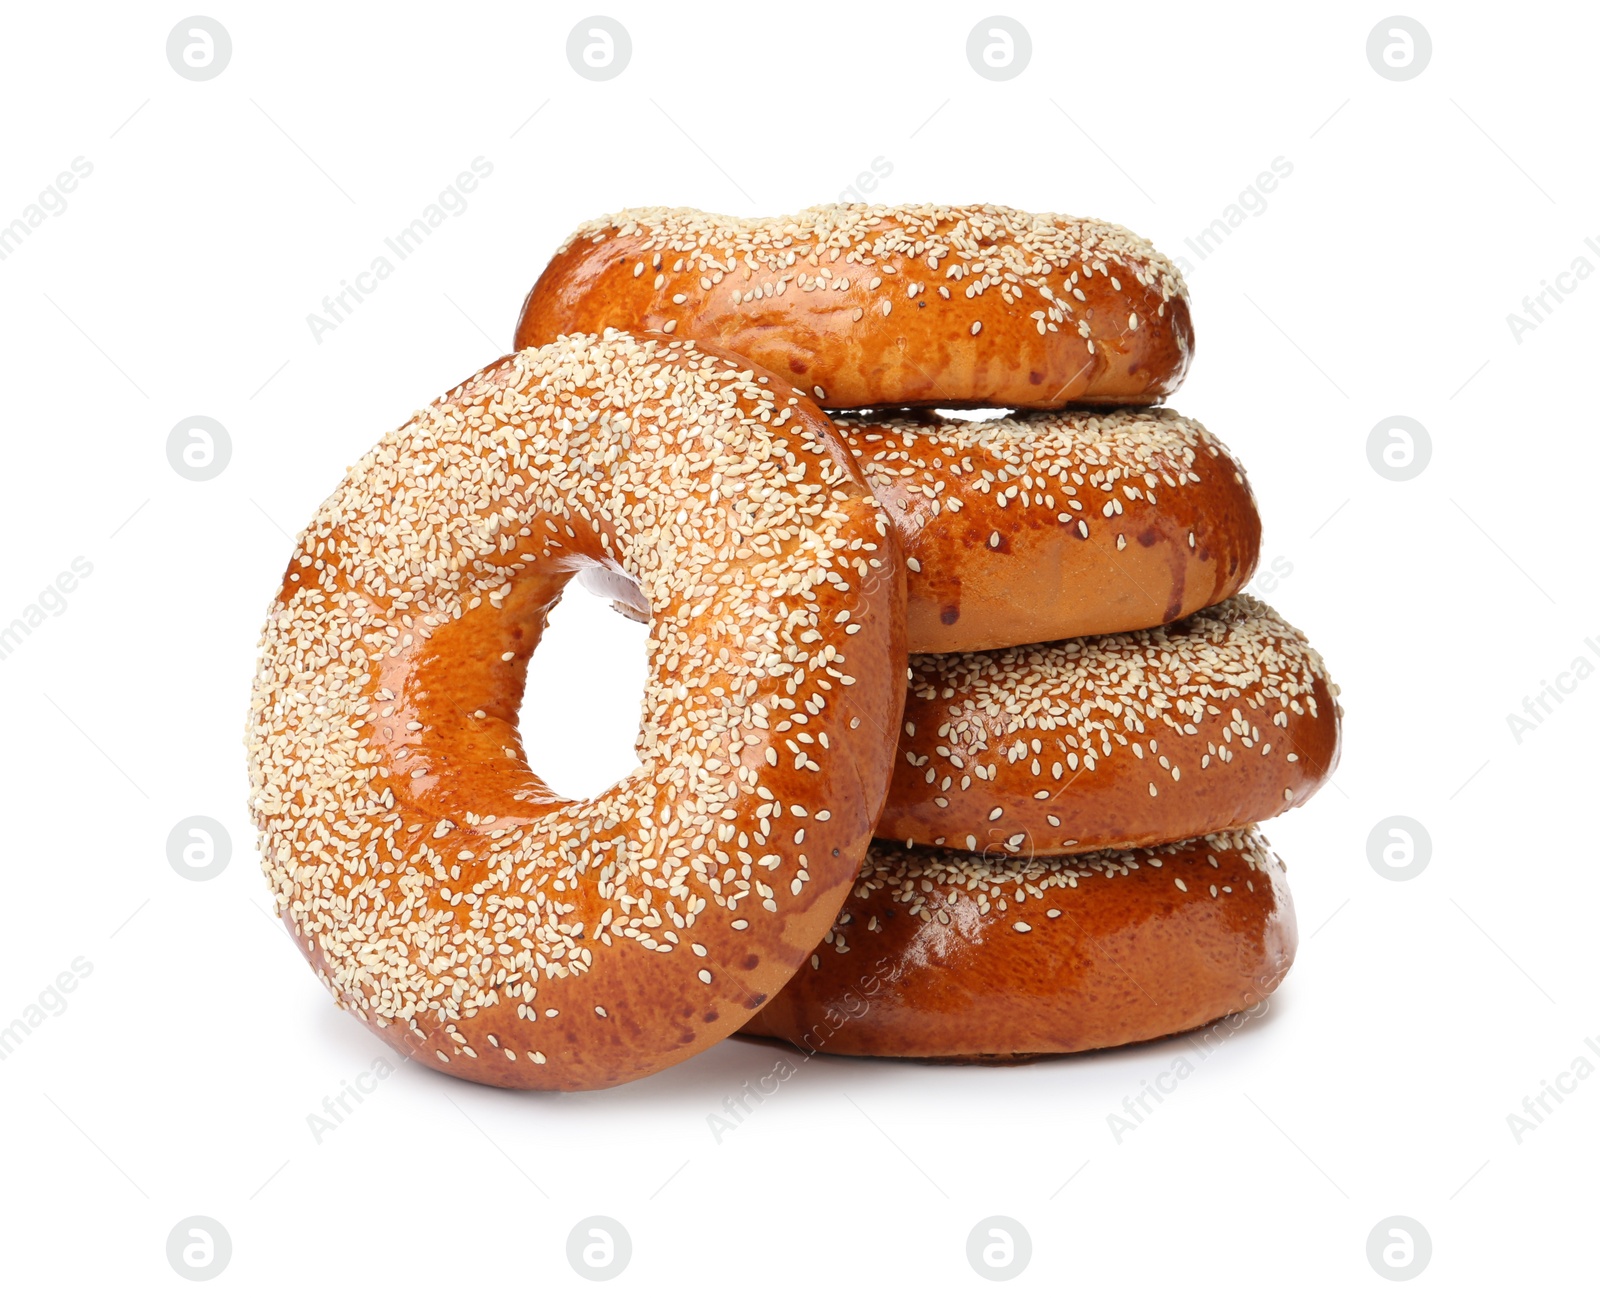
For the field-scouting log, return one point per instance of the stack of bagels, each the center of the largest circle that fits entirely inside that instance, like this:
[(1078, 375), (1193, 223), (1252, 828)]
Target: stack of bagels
[(960, 725)]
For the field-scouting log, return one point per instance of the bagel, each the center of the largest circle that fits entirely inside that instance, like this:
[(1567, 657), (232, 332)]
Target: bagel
[(1047, 525), (461, 909), (1223, 719), (948, 955), (887, 306)]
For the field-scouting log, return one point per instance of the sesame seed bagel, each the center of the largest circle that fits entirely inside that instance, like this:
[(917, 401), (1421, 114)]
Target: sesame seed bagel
[(1223, 719), (1047, 524), (867, 305), (950, 955), (461, 909)]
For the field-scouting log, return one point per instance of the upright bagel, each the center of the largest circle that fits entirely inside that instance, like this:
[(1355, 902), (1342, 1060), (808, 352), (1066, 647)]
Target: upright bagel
[(1223, 719), (941, 954), (1047, 525), (462, 910), (872, 306)]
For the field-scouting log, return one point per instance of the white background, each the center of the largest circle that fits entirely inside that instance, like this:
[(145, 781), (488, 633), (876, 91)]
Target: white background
[(179, 1077)]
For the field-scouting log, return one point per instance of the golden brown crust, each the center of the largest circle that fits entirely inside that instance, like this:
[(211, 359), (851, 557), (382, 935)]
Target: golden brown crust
[(445, 895), (1048, 525), (1223, 719), (941, 954), (871, 305)]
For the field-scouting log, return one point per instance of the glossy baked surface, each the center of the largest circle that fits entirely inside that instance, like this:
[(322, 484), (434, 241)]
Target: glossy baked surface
[(941, 954), (1223, 719), (446, 895), (1047, 525), (871, 305)]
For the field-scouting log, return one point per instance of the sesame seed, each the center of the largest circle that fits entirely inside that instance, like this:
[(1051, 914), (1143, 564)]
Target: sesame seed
[(421, 924), (1009, 731), (919, 885)]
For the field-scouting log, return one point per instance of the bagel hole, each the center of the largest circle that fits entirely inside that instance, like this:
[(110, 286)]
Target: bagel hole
[(581, 702)]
